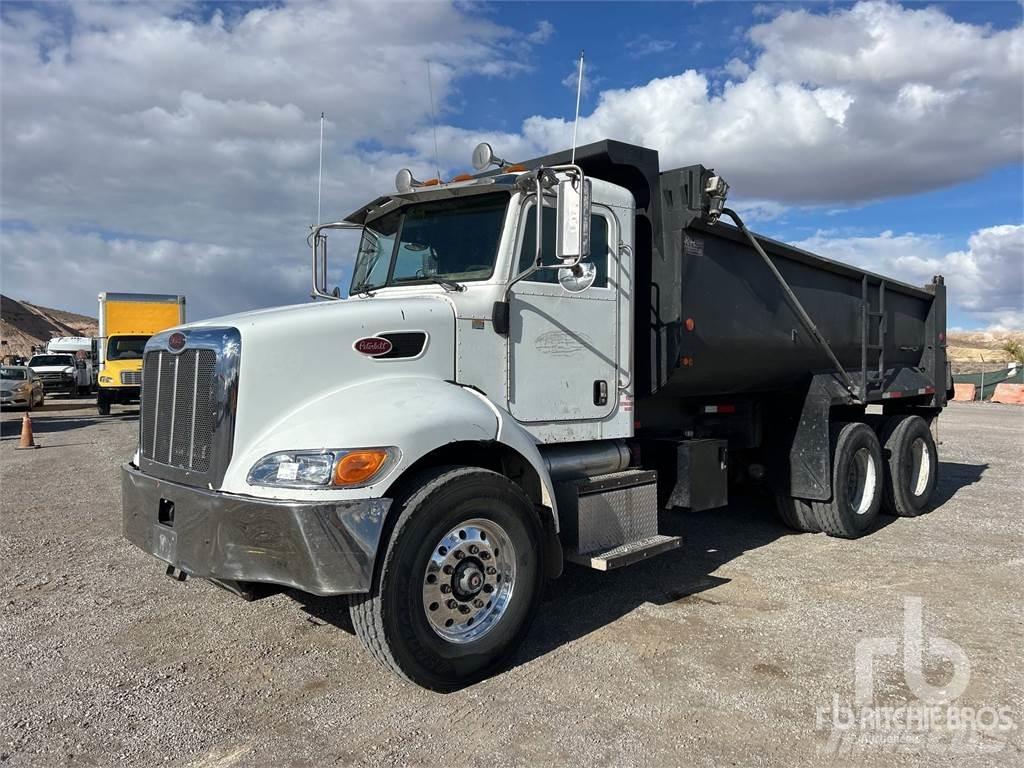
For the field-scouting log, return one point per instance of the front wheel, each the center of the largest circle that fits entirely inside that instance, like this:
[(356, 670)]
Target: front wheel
[(459, 583), (102, 404)]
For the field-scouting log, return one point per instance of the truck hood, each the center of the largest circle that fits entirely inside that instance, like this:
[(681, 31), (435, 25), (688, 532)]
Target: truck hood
[(53, 368), (292, 356)]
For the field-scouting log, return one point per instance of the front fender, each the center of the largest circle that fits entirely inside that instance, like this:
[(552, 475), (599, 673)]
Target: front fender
[(416, 414)]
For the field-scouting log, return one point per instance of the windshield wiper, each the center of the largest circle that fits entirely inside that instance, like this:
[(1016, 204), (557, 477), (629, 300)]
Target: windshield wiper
[(364, 288), (448, 285)]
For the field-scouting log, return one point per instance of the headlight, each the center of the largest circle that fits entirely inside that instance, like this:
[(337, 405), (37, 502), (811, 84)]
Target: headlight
[(106, 379), (348, 468)]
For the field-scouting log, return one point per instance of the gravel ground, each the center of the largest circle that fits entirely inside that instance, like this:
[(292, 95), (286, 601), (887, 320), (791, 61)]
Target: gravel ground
[(721, 653)]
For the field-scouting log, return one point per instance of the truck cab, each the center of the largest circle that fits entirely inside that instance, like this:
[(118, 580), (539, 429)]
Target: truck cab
[(58, 372)]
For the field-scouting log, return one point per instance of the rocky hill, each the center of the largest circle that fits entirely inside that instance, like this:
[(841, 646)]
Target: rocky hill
[(976, 351), (24, 325)]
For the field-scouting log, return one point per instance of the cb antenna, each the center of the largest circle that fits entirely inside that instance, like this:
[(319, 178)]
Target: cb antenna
[(433, 119), (575, 125), (320, 175)]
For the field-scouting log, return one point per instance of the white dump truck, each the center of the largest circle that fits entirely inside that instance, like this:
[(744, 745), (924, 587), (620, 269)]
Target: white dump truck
[(533, 363)]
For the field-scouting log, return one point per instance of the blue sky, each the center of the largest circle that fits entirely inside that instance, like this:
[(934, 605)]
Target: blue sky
[(172, 147)]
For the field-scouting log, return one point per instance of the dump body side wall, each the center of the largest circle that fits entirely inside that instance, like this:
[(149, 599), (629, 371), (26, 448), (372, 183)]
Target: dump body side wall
[(737, 333)]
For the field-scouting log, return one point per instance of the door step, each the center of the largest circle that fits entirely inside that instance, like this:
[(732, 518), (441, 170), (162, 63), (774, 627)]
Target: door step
[(626, 554), (612, 520)]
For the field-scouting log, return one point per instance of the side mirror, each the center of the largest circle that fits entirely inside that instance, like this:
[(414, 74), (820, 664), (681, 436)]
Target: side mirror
[(573, 221), (577, 279)]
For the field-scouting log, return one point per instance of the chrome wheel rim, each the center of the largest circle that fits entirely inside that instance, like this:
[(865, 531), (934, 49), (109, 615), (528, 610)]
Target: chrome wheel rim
[(862, 481), (469, 581), (920, 467)]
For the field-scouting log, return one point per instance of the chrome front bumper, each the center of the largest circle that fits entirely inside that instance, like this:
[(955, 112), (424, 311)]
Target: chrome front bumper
[(322, 547)]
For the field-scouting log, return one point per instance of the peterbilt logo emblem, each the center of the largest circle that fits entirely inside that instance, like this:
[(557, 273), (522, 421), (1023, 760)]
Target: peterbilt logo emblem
[(176, 342), (372, 346)]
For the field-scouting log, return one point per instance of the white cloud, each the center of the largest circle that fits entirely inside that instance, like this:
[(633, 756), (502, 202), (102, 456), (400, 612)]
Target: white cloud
[(985, 280), (591, 78), (737, 68), (545, 29), (861, 103), (645, 45), (189, 137), (156, 146)]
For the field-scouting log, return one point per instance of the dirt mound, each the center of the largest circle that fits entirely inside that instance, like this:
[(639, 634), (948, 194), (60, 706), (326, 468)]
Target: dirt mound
[(976, 351), (24, 325)]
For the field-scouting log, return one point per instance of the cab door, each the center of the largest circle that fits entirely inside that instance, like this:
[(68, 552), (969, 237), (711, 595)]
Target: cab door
[(563, 346)]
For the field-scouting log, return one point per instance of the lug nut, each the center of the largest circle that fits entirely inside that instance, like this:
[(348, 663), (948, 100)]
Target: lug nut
[(452, 604), (445, 589), (487, 588), (473, 549), (448, 570), (491, 570), (463, 609), (485, 555), (459, 554), (478, 603)]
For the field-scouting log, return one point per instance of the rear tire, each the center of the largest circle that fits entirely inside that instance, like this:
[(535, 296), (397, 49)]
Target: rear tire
[(911, 466), (438, 613), (797, 514), (857, 482)]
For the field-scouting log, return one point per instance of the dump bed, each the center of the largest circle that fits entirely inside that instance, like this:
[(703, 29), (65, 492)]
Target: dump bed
[(715, 320), (728, 328)]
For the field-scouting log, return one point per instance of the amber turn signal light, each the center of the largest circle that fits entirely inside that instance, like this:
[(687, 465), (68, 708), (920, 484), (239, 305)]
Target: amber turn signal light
[(358, 466)]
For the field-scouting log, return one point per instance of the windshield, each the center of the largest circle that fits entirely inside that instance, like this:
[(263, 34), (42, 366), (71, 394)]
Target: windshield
[(13, 374), (449, 239), (51, 360), (126, 347)]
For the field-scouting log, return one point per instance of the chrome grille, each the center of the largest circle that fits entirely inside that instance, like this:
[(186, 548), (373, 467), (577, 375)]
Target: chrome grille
[(179, 408), (131, 378)]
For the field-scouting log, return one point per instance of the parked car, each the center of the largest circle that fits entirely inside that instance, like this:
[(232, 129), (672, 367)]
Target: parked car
[(19, 386)]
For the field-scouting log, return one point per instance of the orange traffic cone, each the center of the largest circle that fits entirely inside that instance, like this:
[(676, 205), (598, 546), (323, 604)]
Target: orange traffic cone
[(26, 434)]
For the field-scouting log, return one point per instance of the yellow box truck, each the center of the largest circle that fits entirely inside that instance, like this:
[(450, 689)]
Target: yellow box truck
[(127, 320)]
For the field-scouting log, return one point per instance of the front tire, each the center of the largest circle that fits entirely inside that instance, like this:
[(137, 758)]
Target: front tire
[(911, 467), (857, 481), (102, 404), (459, 582)]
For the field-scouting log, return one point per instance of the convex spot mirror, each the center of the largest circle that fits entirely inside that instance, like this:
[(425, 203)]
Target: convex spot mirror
[(573, 220), (484, 157), (579, 278)]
